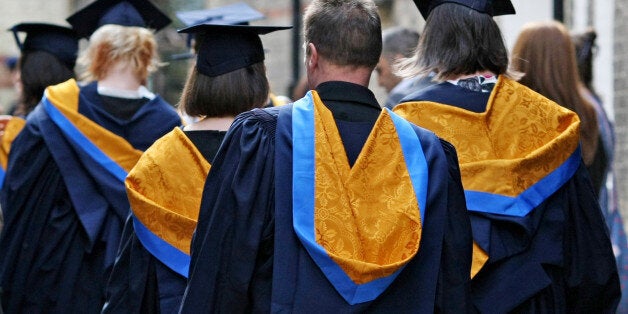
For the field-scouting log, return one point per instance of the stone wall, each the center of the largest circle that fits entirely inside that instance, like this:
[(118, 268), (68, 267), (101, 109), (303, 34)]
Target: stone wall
[(621, 101)]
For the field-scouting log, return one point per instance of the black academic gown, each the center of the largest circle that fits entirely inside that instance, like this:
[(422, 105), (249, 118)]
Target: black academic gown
[(140, 282), (246, 256), (557, 258), (64, 214)]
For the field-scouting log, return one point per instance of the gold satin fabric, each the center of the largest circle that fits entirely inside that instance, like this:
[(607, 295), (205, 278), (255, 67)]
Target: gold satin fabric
[(519, 139), (166, 186), (13, 127), (366, 217), (65, 97)]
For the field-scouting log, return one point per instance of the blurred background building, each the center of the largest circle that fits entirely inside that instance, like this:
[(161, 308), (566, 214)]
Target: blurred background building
[(285, 53)]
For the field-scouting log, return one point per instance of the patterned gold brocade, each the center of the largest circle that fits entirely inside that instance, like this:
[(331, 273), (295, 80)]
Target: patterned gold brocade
[(11, 130), (520, 138), (366, 217), (65, 97), (166, 186)]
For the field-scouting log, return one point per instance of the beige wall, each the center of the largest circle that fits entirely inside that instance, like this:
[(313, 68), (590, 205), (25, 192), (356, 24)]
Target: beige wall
[(18, 11)]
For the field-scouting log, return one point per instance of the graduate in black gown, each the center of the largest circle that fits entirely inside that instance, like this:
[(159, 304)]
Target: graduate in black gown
[(541, 244), (47, 57), (331, 204), (64, 199), (166, 185)]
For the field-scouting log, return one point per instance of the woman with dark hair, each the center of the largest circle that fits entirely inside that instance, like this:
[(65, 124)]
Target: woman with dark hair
[(64, 199), (540, 240), (151, 270), (48, 56)]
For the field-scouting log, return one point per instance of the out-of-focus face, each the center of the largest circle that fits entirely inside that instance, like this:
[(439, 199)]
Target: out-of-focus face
[(16, 79), (385, 77)]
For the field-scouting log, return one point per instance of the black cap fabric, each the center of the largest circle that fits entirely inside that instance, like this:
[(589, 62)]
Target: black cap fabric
[(233, 14), (141, 13), (59, 41), (490, 7), (226, 48)]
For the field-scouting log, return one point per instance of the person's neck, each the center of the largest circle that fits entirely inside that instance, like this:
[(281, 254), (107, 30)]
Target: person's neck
[(466, 76), (330, 72), (121, 77), (211, 123)]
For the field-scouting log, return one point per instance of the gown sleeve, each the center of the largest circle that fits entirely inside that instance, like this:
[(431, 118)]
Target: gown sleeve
[(592, 278), (132, 285), (232, 245)]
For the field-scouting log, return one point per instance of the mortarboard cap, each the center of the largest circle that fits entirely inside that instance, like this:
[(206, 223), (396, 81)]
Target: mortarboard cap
[(233, 14), (226, 48), (490, 7), (141, 13), (59, 41)]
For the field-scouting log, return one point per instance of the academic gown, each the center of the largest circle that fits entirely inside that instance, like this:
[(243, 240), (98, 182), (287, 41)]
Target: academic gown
[(541, 242), (247, 257), (146, 277), (64, 199), (10, 131)]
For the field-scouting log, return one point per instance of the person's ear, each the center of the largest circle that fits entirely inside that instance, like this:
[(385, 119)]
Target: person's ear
[(312, 61)]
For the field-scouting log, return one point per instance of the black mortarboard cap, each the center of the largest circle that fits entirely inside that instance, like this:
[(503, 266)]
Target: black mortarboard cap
[(62, 42), (226, 48), (490, 7), (140, 13)]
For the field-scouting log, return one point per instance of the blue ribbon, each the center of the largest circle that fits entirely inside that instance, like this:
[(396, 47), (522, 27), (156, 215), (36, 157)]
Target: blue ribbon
[(303, 190), (2, 174), (529, 199), (82, 142), (172, 257)]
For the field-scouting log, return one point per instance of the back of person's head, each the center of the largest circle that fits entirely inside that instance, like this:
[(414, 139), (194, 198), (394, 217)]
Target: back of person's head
[(399, 41), (344, 32), (584, 43), (38, 70), (227, 94), (545, 54), (456, 41), (229, 76), (115, 45)]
